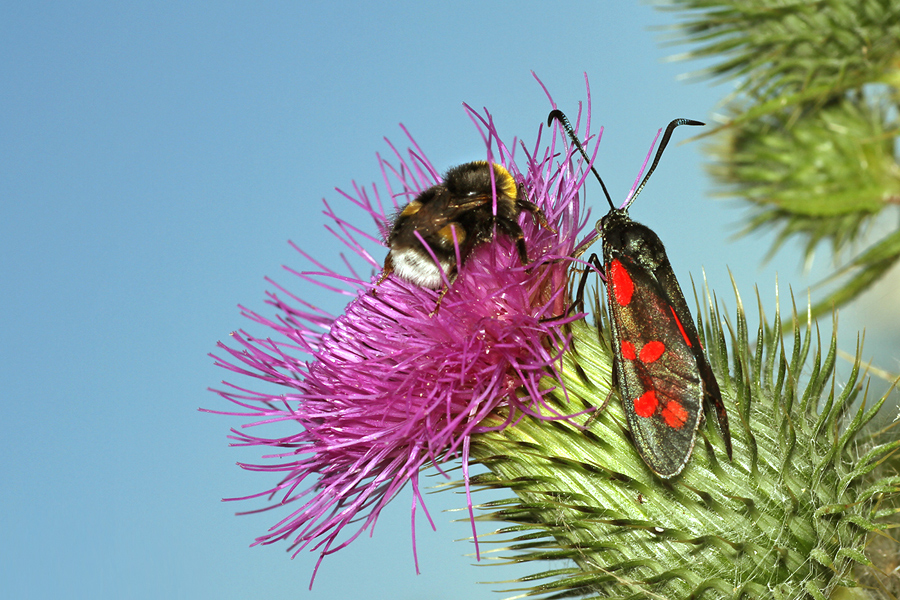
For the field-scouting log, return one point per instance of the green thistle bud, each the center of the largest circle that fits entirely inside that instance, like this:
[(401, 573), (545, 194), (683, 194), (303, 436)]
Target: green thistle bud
[(789, 517)]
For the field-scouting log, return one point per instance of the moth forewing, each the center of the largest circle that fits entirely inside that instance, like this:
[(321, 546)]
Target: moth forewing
[(656, 371)]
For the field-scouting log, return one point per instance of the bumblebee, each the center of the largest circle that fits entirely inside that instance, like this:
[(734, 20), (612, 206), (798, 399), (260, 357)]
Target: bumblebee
[(456, 212)]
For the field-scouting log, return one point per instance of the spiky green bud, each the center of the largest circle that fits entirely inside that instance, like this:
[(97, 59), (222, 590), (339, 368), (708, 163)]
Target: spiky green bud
[(809, 136)]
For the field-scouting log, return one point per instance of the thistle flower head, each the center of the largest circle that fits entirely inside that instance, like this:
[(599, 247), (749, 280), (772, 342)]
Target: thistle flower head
[(387, 388)]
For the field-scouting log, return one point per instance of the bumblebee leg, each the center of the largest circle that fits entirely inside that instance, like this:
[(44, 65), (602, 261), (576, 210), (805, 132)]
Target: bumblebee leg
[(385, 273), (451, 277), (523, 250), (536, 212), (511, 228), (437, 305)]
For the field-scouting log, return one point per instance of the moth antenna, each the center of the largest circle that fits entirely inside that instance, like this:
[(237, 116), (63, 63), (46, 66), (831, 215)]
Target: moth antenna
[(559, 116), (662, 146)]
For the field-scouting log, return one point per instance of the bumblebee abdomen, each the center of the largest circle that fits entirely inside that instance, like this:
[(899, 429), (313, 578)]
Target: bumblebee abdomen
[(416, 266)]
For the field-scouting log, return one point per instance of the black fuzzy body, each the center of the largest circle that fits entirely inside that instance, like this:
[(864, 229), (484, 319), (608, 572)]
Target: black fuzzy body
[(457, 213)]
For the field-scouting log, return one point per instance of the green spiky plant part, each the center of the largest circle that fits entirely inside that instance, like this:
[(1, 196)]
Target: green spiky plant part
[(809, 140), (787, 518)]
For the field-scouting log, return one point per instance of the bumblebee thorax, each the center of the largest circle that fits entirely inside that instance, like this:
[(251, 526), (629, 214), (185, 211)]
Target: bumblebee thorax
[(474, 179)]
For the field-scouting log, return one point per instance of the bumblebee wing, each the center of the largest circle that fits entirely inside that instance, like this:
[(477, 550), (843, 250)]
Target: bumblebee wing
[(430, 212), (467, 203)]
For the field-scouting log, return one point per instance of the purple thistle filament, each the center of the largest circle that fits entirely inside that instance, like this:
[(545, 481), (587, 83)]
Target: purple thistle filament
[(383, 390)]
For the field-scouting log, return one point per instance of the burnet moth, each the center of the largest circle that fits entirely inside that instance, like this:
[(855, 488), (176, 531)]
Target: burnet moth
[(659, 368)]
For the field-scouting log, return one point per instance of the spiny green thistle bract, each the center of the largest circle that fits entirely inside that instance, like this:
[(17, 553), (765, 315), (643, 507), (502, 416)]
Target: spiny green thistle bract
[(787, 518)]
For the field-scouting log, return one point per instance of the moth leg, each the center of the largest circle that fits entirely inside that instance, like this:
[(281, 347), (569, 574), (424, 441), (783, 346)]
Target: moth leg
[(599, 409), (593, 261), (710, 401)]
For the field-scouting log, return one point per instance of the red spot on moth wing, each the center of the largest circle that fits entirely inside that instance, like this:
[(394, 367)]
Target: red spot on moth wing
[(652, 351), (680, 327), (628, 351), (675, 415), (645, 406), (622, 284)]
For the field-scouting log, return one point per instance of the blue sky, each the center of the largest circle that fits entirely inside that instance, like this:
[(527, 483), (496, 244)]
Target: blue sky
[(154, 161)]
